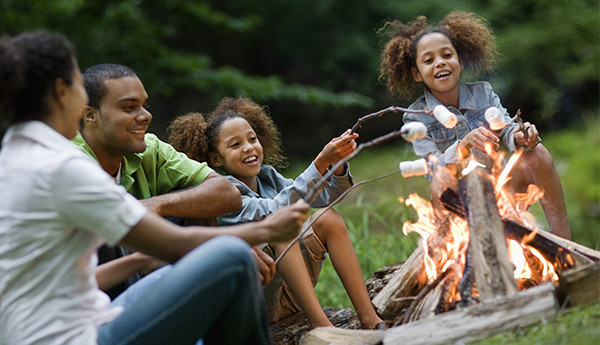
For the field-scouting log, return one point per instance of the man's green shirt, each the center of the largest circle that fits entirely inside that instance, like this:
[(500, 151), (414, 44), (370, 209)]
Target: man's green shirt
[(158, 170)]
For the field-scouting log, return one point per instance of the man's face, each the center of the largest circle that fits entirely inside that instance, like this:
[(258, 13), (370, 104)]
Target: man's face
[(123, 118)]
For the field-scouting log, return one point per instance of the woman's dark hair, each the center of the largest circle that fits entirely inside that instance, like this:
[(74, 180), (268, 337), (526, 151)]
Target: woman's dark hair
[(30, 64)]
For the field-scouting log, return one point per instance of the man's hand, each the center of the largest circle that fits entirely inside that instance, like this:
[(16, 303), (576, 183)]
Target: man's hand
[(266, 265), (285, 223)]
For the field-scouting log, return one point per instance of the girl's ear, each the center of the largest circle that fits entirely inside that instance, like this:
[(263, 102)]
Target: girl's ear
[(215, 159), (416, 75)]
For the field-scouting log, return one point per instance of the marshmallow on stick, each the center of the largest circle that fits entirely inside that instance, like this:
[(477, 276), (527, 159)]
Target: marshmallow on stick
[(495, 118), (413, 130), (414, 168), (445, 116)]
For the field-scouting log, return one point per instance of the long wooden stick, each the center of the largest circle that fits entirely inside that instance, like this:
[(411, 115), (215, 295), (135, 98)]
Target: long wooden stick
[(335, 202), (384, 111)]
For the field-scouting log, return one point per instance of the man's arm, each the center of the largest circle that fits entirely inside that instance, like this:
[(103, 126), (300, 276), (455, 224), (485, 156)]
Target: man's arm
[(213, 197), (115, 272)]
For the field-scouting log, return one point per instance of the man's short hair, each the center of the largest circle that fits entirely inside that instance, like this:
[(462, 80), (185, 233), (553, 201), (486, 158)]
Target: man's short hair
[(94, 77)]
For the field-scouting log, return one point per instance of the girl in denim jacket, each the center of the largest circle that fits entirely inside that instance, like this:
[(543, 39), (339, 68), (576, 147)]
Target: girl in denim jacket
[(238, 138), (436, 56)]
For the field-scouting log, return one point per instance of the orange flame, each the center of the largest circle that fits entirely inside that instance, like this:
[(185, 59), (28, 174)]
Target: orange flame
[(510, 206)]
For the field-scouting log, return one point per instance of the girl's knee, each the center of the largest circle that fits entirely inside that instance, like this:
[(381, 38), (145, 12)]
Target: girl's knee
[(330, 222), (538, 158)]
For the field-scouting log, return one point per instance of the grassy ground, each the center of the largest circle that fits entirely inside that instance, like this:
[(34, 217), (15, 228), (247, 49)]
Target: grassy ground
[(374, 218)]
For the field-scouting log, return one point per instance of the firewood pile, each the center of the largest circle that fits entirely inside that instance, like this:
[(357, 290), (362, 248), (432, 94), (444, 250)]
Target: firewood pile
[(479, 270)]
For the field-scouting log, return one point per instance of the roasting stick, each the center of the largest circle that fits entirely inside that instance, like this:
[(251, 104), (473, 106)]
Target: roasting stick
[(394, 109), (307, 225), (404, 132)]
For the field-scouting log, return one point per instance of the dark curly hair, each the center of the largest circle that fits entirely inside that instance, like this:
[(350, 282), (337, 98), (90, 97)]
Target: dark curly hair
[(469, 33), (196, 137), (30, 64), (187, 134)]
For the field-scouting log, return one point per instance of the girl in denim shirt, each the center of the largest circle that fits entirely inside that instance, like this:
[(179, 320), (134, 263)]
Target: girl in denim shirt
[(238, 138), (436, 56)]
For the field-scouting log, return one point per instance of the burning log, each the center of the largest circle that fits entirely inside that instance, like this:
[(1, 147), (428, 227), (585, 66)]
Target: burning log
[(487, 242)]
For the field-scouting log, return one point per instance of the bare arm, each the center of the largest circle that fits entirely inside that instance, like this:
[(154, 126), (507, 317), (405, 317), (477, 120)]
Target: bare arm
[(116, 271), (213, 197), (162, 239)]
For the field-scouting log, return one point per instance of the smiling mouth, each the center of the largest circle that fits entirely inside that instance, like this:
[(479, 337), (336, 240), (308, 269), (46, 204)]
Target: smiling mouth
[(250, 159), (138, 131), (442, 74)]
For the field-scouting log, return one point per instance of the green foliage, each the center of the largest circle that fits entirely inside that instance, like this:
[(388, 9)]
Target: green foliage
[(147, 36), (315, 63)]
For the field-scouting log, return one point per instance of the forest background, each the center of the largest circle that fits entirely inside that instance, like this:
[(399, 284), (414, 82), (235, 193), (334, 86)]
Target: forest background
[(315, 63)]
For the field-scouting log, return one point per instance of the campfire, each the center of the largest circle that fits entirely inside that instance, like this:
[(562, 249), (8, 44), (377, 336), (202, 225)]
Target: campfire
[(449, 251), (482, 267)]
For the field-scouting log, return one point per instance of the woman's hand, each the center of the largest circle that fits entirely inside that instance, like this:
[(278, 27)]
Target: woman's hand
[(285, 223), (338, 148)]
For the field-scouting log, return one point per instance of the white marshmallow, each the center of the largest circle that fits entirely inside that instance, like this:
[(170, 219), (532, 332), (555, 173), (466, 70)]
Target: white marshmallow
[(414, 168), (413, 130), (445, 116), (495, 118)]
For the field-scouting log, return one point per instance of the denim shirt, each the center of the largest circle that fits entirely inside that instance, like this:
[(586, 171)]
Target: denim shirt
[(275, 191), (474, 99)]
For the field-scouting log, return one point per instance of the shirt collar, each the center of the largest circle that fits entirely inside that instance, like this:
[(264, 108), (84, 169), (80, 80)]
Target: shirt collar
[(466, 100), (129, 165), (39, 132)]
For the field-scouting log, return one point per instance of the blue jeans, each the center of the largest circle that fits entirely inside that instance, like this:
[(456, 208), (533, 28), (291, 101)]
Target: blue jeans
[(212, 293)]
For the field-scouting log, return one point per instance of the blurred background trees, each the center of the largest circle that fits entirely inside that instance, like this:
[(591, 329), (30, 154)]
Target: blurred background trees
[(315, 62)]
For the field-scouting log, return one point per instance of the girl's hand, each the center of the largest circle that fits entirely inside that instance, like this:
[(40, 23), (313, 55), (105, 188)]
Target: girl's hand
[(338, 148), (532, 139), (477, 138)]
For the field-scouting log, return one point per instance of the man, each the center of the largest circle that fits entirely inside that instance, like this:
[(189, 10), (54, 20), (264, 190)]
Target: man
[(165, 181)]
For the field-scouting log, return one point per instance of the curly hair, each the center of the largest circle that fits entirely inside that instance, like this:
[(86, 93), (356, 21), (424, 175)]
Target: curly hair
[(187, 134), (258, 118), (469, 33)]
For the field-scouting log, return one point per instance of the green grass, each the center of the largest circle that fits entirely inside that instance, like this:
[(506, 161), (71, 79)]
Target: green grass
[(374, 219)]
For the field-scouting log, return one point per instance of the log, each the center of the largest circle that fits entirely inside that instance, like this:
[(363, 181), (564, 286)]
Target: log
[(580, 286), (406, 282), (479, 321), (492, 269), (330, 336)]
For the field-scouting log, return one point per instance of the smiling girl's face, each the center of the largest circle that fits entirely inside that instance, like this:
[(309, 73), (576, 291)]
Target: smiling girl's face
[(239, 152), (438, 67)]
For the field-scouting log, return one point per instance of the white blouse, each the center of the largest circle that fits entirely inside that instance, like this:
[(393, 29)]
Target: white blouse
[(56, 207)]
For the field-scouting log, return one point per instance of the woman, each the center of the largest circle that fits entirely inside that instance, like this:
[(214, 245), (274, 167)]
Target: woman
[(58, 206)]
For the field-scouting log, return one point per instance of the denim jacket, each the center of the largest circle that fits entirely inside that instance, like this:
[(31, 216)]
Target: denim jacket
[(474, 99), (275, 191)]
